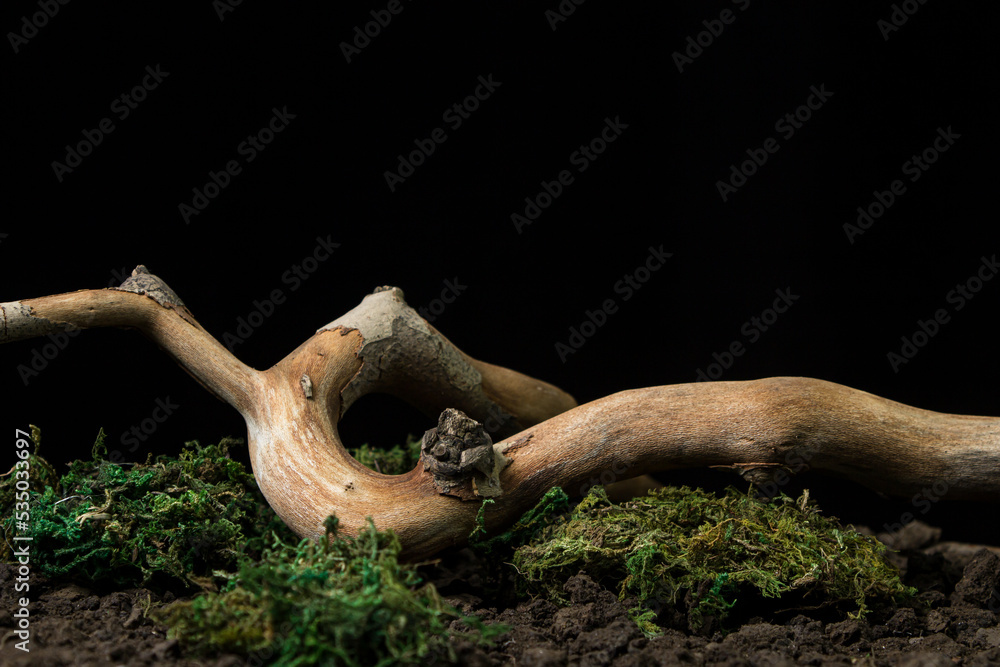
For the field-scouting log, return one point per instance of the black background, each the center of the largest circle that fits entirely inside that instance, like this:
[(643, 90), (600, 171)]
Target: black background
[(655, 185)]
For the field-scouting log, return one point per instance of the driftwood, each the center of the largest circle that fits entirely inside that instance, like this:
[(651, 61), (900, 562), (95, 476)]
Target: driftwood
[(528, 435)]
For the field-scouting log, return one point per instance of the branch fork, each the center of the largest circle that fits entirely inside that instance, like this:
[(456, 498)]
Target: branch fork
[(504, 435)]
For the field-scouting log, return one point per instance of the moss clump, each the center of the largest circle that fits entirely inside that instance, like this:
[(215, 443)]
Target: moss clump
[(166, 523), (171, 520), (345, 602), (678, 545), (394, 461), (198, 522)]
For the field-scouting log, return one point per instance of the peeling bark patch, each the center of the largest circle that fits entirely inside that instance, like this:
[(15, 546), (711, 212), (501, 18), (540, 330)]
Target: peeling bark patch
[(20, 323), (396, 342), (144, 282), (307, 385)]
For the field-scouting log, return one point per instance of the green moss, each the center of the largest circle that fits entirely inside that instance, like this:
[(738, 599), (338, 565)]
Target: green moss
[(682, 546), (198, 523), (166, 523), (551, 509), (346, 602), (394, 461)]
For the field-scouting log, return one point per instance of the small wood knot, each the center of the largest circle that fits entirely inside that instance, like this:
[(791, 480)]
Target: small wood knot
[(457, 447)]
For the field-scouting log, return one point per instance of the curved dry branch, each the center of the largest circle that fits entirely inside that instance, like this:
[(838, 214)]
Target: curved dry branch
[(142, 302), (545, 440)]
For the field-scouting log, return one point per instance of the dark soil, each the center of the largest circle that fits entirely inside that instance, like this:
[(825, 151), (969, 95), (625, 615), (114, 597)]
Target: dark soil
[(955, 622)]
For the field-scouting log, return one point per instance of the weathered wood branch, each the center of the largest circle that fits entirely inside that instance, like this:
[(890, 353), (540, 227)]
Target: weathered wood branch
[(145, 303), (532, 437)]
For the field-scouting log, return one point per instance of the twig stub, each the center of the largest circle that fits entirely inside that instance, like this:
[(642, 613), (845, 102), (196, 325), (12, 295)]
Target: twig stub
[(459, 451)]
